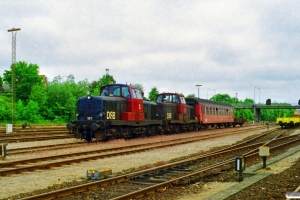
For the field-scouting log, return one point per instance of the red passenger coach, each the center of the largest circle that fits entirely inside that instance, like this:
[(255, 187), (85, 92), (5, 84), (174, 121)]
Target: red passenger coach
[(211, 113)]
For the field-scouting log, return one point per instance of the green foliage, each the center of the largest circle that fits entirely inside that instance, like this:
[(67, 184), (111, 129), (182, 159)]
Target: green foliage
[(30, 112), (153, 93), (106, 79), (26, 77), (1, 82), (191, 96), (40, 96), (224, 98), (57, 102), (5, 108)]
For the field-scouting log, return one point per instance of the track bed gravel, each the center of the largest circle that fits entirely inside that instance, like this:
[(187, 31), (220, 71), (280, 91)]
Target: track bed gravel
[(66, 175)]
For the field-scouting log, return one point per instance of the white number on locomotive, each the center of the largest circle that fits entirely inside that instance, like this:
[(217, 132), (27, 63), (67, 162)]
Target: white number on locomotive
[(169, 115), (89, 118)]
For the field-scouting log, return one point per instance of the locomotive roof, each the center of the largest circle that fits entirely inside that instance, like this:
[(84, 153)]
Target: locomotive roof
[(121, 84), (205, 101)]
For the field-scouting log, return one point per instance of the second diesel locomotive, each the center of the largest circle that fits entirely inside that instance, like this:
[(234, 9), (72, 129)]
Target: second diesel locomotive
[(120, 112)]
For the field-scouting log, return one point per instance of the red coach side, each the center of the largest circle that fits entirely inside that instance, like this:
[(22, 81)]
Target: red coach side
[(211, 113)]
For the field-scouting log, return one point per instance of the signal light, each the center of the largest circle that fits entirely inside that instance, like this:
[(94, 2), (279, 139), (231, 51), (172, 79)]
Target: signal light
[(268, 102)]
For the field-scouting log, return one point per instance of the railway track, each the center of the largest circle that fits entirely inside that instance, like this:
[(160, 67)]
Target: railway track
[(33, 130), (33, 138), (159, 177), (17, 166), (137, 177), (61, 146)]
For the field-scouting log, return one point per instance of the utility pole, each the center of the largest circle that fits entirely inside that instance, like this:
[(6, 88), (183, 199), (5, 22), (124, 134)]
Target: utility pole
[(107, 71), (13, 74), (198, 90)]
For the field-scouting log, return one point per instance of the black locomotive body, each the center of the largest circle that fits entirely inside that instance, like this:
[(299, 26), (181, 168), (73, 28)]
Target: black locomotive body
[(121, 112)]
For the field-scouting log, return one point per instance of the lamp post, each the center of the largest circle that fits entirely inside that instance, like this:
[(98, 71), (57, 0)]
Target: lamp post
[(13, 73), (254, 95), (215, 94), (259, 95), (198, 90), (107, 71), (212, 90)]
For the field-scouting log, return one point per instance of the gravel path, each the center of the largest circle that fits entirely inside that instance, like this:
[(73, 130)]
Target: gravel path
[(42, 179)]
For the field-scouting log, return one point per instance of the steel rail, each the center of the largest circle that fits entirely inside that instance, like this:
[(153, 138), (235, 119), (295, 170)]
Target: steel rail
[(119, 179), (95, 154)]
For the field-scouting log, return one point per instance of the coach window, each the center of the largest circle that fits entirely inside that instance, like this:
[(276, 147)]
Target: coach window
[(217, 111), (206, 110)]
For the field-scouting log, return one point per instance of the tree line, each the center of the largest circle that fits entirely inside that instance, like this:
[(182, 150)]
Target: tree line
[(40, 101)]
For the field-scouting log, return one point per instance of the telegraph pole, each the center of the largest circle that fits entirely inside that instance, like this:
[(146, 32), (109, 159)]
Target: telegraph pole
[(13, 74)]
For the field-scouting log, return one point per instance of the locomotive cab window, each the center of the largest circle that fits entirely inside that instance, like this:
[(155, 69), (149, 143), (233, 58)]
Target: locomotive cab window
[(137, 94), (114, 91), (182, 100), (104, 91), (125, 92)]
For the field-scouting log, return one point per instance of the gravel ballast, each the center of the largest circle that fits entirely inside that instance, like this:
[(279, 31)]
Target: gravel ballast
[(42, 179)]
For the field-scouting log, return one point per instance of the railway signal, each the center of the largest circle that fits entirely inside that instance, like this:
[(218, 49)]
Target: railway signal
[(268, 103), (240, 167)]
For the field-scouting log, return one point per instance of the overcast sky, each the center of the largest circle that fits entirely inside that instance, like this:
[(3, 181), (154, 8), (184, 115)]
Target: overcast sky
[(228, 47)]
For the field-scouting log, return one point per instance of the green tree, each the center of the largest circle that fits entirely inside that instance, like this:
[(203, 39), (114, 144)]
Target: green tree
[(30, 112), (26, 77), (5, 108), (191, 96), (93, 85), (62, 97), (40, 96), (225, 98), (153, 93), (106, 79), (1, 82)]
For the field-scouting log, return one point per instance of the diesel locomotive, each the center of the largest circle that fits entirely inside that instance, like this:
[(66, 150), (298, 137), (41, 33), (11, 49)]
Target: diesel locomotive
[(120, 112)]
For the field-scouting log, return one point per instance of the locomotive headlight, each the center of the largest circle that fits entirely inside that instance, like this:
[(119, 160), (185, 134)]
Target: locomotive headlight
[(89, 95), (77, 114), (101, 114)]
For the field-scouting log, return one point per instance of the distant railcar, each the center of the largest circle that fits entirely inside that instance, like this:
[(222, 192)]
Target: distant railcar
[(286, 122), (214, 114)]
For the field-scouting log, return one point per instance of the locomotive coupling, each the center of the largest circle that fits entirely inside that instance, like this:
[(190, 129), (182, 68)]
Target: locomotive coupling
[(95, 126)]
